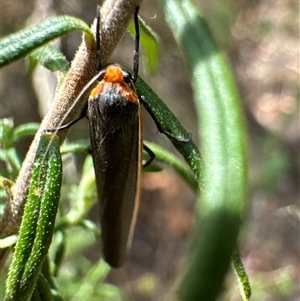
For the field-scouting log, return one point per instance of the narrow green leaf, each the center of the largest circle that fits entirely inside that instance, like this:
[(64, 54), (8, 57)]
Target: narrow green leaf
[(59, 252), (86, 197), (51, 58), (38, 221), (78, 146), (6, 132), (150, 43), (25, 130), (42, 290), (241, 275), (168, 158), (152, 167), (171, 124), (8, 138), (16, 46), (223, 147), (96, 273), (14, 161), (47, 273)]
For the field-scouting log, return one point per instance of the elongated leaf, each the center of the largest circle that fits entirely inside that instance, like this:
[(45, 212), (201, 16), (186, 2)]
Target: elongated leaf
[(171, 124), (168, 158), (78, 146), (241, 275), (14, 161), (86, 197), (51, 58), (16, 46), (42, 290), (6, 132), (38, 221), (150, 43), (25, 130), (8, 137), (223, 147)]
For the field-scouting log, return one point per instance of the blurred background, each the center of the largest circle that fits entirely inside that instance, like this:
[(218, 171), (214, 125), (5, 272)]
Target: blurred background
[(261, 41)]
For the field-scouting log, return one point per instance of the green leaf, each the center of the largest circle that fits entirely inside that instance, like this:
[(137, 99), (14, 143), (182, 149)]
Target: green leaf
[(42, 290), (97, 272), (9, 136), (150, 43), (16, 46), (224, 150), (78, 146), (14, 161), (241, 275), (6, 132), (171, 124), (25, 130), (84, 198), (51, 58), (168, 158), (38, 221), (59, 252), (47, 273)]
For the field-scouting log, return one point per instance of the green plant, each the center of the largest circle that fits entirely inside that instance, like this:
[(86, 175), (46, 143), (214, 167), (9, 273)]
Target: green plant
[(220, 175)]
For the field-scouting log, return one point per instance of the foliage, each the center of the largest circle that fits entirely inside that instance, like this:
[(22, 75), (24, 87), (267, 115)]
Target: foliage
[(220, 174)]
